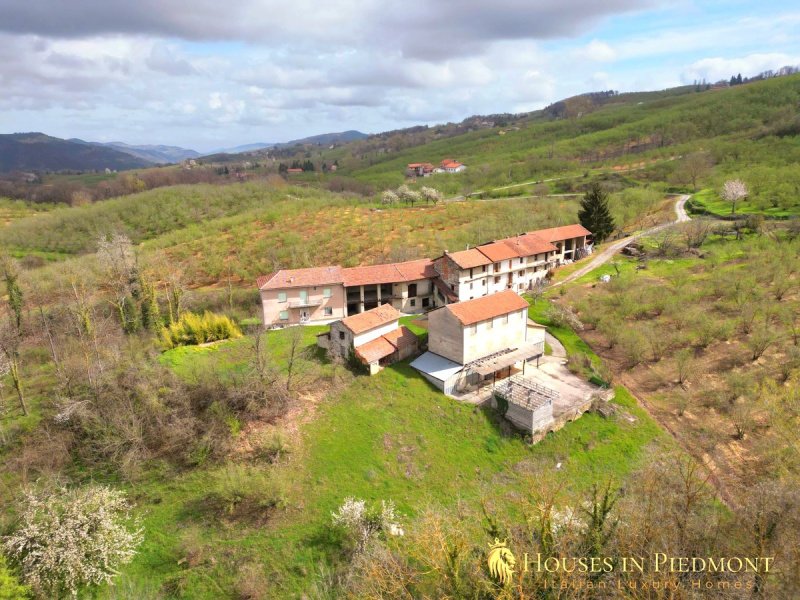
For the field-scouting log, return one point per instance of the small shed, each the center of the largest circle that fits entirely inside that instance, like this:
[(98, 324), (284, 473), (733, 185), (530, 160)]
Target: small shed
[(440, 371), (527, 404)]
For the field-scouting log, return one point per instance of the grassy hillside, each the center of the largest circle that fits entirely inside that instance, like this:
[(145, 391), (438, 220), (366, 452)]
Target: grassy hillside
[(748, 131)]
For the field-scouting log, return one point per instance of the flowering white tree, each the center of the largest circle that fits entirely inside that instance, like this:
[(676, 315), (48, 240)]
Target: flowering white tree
[(430, 194), (69, 538), (734, 190), (407, 195), (363, 524), (389, 197)]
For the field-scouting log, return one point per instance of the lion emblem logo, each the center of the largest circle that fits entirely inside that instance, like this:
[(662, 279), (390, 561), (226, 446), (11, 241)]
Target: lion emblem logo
[(501, 562)]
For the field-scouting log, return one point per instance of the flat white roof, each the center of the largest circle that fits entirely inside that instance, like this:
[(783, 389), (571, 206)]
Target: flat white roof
[(436, 366)]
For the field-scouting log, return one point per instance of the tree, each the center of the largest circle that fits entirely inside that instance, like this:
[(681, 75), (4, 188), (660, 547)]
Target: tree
[(389, 197), (430, 194), (67, 539), (732, 191), (595, 214), (11, 334), (696, 166)]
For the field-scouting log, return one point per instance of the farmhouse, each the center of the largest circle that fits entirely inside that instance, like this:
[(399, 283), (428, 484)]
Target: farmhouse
[(374, 337), (571, 241), (513, 263), (419, 169), (473, 344), (448, 165), (325, 294), (299, 296), (407, 286)]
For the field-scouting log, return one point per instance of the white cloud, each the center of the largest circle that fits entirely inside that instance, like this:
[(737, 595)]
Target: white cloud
[(716, 68)]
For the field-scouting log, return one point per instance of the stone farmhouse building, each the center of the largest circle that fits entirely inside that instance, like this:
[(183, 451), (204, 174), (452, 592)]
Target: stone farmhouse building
[(374, 337), (474, 343), (325, 294)]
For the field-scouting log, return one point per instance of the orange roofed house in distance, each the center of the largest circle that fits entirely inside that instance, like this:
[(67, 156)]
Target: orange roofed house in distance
[(326, 294)]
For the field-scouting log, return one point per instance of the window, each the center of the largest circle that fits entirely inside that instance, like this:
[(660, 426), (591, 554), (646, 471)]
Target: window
[(326, 292), (413, 302), (521, 260), (281, 296), (470, 273), (328, 311), (490, 324), (283, 315), (470, 285), (496, 267), (412, 289), (497, 280), (484, 283), (483, 269), (341, 335), (303, 296), (426, 302)]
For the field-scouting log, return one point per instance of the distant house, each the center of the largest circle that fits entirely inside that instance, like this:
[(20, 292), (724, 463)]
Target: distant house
[(294, 171), (452, 166), (374, 337), (475, 343), (419, 169)]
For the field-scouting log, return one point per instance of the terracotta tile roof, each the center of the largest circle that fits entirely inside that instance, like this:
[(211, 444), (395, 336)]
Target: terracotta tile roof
[(497, 251), (529, 244), (289, 278), (470, 312), (400, 338), (370, 319), (469, 259), (565, 232), (375, 350), (389, 273)]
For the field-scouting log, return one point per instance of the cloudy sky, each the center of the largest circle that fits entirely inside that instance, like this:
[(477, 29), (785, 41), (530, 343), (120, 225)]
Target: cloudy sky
[(206, 74)]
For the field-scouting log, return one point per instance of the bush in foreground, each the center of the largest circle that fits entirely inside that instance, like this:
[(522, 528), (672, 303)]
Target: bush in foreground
[(67, 539), (192, 329)]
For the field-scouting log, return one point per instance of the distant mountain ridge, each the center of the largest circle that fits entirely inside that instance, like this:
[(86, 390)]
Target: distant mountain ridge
[(322, 139), (154, 153), (35, 151)]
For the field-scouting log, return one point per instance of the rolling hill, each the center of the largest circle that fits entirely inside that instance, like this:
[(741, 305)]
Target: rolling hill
[(40, 152), (154, 153)]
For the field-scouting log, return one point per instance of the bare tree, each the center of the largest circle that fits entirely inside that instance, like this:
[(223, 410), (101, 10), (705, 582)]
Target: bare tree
[(117, 257), (696, 166)]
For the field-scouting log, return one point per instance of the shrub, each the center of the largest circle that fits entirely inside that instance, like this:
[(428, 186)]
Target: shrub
[(10, 587), (68, 539), (362, 524), (192, 329), (240, 489)]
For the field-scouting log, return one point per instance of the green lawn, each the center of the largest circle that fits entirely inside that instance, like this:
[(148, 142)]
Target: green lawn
[(391, 436), (709, 202)]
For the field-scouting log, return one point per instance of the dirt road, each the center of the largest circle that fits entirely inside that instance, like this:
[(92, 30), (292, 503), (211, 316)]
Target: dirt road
[(608, 253)]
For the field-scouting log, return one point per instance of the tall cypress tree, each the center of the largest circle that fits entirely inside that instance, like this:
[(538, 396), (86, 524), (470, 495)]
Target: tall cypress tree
[(595, 214)]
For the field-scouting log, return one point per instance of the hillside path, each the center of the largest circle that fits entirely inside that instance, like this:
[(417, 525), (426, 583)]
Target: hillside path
[(608, 253)]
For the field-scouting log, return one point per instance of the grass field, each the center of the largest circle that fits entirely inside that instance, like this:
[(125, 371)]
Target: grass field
[(391, 436)]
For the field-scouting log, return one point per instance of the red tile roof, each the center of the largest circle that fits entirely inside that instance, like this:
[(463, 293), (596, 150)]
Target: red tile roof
[(469, 259), (497, 251), (566, 232), (470, 312), (290, 278), (385, 345), (412, 270), (529, 244), (375, 350), (370, 319)]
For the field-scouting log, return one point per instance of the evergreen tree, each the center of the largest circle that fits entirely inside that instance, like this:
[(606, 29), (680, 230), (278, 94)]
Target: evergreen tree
[(595, 214)]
